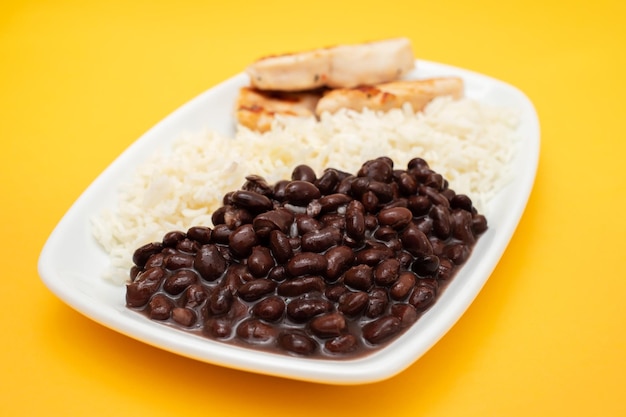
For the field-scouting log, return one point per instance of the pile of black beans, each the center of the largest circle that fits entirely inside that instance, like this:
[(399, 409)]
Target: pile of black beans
[(329, 266)]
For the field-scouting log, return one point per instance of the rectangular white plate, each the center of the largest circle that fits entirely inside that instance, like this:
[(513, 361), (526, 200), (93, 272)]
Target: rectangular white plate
[(71, 262)]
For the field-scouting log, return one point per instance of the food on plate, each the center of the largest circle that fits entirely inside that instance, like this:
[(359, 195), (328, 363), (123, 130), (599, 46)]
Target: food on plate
[(352, 77), (387, 96), (329, 264), (338, 66), (179, 185), (256, 109)]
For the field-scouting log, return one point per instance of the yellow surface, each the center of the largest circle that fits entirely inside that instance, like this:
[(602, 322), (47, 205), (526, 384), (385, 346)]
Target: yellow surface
[(80, 81)]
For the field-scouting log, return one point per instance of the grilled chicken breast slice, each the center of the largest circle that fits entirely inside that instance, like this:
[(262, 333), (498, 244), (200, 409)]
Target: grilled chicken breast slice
[(391, 95), (257, 109), (338, 66)]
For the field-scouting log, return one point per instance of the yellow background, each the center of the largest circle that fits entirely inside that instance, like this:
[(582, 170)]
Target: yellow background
[(80, 81)]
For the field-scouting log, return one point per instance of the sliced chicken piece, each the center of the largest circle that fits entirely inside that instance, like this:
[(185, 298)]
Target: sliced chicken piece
[(370, 63), (257, 109), (391, 95), (291, 72), (337, 66)]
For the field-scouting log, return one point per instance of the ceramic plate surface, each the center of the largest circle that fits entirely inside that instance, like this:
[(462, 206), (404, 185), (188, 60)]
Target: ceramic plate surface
[(71, 262)]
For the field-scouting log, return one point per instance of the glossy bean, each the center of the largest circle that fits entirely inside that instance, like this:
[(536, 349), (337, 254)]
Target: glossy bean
[(252, 200), (184, 316), (300, 193), (320, 240), (160, 307), (280, 246), (341, 344), (270, 308), (220, 301), (255, 331), (209, 262), (403, 286), (353, 303), (386, 272), (382, 329), (260, 261), (279, 219), (179, 281), (242, 240), (297, 342), (338, 259), (138, 293), (395, 217), (304, 308), (359, 277), (306, 263), (255, 289), (328, 325), (298, 286), (143, 253)]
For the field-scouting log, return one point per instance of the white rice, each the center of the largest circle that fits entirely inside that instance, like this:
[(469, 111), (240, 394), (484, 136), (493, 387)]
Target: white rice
[(469, 143)]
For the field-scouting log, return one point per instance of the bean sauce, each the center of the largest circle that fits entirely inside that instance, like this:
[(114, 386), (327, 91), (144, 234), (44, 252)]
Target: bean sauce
[(334, 265)]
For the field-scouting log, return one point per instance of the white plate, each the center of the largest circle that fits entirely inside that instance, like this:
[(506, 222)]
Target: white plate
[(71, 262)]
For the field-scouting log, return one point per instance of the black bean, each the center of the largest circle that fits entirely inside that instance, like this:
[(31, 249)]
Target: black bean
[(218, 327), (382, 329), (373, 256), (461, 201), (178, 260), (255, 289), (200, 234), (377, 303), (426, 266), (370, 201), (257, 184), (220, 301), (300, 193), (406, 313), (194, 296), (423, 296), (209, 262), (341, 344), (382, 190), (441, 221), (403, 286), (320, 240), (328, 325), (359, 277), (462, 226), (184, 316), (171, 239), (435, 196), (179, 281), (386, 272), (306, 263), (237, 216), (304, 308), (255, 331), (303, 173), (251, 200), (260, 261), (457, 253), (297, 342), (377, 169), (339, 259), (142, 254), (419, 204), (279, 190), (270, 308), (332, 202), (479, 224), (279, 219), (446, 268), (278, 273), (353, 303), (280, 246), (160, 307), (335, 292), (395, 217), (328, 181), (407, 184), (298, 286), (157, 259), (306, 223), (138, 293), (242, 240)]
